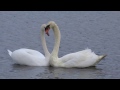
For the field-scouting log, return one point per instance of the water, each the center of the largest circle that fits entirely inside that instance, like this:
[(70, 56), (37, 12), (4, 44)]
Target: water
[(97, 30)]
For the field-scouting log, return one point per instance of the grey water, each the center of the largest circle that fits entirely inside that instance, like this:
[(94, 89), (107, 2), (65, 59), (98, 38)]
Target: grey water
[(97, 30)]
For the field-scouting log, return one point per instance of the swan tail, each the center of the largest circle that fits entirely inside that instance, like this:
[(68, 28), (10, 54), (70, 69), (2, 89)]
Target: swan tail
[(100, 58), (9, 52)]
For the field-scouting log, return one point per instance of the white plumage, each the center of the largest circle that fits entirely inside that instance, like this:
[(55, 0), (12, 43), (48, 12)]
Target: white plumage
[(31, 57), (81, 59)]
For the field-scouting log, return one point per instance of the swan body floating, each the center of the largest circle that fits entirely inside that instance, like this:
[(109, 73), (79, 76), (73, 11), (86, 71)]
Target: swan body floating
[(31, 57), (80, 59)]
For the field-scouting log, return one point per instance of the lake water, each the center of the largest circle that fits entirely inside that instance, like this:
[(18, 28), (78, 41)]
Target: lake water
[(97, 30)]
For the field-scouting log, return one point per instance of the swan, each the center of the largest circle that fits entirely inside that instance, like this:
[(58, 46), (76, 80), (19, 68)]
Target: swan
[(80, 59), (31, 57)]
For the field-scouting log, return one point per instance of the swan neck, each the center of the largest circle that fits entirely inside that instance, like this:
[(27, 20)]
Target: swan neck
[(44, 43), (57, 40)]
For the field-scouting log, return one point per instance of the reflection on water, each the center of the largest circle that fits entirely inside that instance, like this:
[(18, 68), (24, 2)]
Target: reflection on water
[(20, 71), (75, 73)]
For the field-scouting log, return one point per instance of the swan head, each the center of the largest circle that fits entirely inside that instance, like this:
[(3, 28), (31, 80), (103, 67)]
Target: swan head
[(43, 26), (50, 25)]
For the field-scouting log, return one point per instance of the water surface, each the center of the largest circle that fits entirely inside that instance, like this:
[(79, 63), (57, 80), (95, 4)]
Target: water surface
[(97, 30)]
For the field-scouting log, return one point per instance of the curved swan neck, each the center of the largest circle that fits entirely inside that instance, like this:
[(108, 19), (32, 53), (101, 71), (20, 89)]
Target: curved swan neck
[(57, 40), (44, 43)]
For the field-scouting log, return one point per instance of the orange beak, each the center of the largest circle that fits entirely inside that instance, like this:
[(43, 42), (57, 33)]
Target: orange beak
[(47, 31), (47, 28)]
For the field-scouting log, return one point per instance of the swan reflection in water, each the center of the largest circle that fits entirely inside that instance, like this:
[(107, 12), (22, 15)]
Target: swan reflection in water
[(76, 73), (22, 71)]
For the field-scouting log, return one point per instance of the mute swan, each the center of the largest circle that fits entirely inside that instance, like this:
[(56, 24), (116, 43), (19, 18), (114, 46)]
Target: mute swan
[(80, 59), (31, 57)]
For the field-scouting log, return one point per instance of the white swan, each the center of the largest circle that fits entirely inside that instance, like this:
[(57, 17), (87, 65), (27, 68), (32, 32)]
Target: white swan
[(80, 59), (32, 57)]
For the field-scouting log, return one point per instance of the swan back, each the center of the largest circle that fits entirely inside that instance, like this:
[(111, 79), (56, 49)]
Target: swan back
[(84, 58), (29, 57)]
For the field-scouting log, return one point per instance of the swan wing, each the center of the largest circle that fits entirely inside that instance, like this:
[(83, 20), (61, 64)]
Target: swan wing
[(75, 55), (29, 57), (82, 58), (33, 52)]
